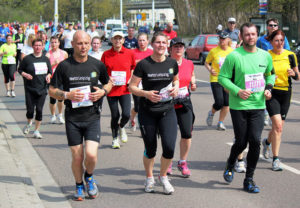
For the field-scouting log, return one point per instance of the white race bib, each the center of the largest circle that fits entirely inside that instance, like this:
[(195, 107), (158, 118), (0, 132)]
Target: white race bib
[(165, 93), (119, 78), (11, 60), (40, 68), (255, 82), (182, 93), (20, 46), (86, 101), (221, 62)]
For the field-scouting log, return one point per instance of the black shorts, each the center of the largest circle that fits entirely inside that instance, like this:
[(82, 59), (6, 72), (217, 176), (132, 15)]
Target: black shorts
[(279, 103), (77, 130), (185, 119)]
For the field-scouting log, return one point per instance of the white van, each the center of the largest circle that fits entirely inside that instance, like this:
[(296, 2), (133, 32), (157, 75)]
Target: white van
[(111, 23)]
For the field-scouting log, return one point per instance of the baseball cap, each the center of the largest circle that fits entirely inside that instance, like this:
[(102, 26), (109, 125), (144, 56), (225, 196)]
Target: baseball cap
[(219, 27), (224, 34), (231, 19), (117, 33), (175, 41)]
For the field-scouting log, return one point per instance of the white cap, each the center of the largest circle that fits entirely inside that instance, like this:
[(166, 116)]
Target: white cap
[(220, 27), (117, 33), (231, 19)]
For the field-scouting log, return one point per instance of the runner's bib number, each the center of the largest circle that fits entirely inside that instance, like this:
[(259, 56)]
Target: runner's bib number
[(165, 93), (40, 68), (20, 46), (182, 93), (119, 77), (11, 60), (255, 82), (86, 101)]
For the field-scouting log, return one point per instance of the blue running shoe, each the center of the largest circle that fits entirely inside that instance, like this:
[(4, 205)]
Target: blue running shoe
[(228, 175), (79, 193), (250, 186), (91, 187)]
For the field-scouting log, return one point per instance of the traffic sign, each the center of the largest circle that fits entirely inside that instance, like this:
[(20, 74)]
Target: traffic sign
[(138, 16), (144, 16)]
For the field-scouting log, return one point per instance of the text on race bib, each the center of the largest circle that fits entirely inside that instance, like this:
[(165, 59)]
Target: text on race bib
[(86, 101), (118, 77), (40, 68), (255, 82), (165, 93)]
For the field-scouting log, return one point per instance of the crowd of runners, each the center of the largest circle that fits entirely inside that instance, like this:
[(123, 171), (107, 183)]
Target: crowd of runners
[(250, 77)]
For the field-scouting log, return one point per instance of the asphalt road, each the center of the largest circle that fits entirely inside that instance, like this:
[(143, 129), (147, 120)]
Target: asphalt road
[(120, 173)]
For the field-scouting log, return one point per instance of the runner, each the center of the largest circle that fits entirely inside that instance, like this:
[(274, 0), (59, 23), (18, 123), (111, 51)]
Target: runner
[(56, 56), (19, 40), (92, 32), (248, 75), (120, 63), (139, 53), (27, 49), (183, 106), (213, 64), (68, 37), (96, 45), (159, 75), (285, 65), (79, 76), (9, 51), (130, 41), (36, 71), (233, 33)]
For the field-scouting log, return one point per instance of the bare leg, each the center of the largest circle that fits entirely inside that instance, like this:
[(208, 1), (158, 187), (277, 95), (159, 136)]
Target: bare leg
[(37, 125), (148, 164), (77, 160), (164, 165), (60, 106), (185, 145), (12, 85), (275, 133), (223, 113), (52, 109), (91, 152)]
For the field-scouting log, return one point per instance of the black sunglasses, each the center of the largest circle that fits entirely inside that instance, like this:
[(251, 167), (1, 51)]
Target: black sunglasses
[(271, 25)]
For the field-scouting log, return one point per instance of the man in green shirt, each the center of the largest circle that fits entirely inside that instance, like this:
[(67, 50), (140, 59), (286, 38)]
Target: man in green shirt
[(248, 75)]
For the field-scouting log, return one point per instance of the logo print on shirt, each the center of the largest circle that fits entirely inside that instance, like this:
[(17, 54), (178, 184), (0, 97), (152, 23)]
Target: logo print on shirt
[(171, 71), (93, 74)]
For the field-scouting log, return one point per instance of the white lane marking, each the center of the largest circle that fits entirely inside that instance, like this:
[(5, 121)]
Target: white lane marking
[(284, 166), (292, 101)]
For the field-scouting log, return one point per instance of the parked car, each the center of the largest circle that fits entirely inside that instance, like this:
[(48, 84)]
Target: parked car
[(114, 30), (199, 47)]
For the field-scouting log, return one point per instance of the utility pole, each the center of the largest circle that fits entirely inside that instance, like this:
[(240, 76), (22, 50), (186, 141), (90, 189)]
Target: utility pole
[(153, 18), (55, 13), (121, 12), (82, 15), (298, 21)]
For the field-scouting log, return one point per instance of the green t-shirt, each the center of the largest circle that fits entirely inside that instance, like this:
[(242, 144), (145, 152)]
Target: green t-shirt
[(11, 50), (251, 71)]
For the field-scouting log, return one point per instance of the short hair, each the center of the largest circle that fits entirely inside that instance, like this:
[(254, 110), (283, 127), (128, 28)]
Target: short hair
[(131, 27), (97, 37), (141, 34), (54, 37), (8, 35), (248, 24), (155, 35), (272, 20), (273, 34), (37, 40)]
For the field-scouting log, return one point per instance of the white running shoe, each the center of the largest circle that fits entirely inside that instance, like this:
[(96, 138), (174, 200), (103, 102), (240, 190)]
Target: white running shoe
[(13, 94), (266, 149), (26, 129), (221, 126), (37, 134), (52, 119), (240, 167), (276, 165), (61, 120), (123, 135), (149, 185), (167, 187), (8, 93), (210, 118), (115, 143)]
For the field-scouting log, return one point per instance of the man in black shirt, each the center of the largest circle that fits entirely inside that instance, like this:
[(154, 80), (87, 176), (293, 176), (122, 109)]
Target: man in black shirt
[(76, 80), (130, 41), (36, 71)]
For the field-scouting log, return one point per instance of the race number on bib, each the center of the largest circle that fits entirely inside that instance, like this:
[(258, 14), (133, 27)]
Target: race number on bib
[(11, 60), (165, 93), (118, 77), (182, 93), (86, 101), (255, 82), (20, 46), (40, 68)]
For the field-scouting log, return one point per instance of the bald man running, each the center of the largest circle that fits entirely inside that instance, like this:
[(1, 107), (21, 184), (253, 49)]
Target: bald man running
[(76, 81)]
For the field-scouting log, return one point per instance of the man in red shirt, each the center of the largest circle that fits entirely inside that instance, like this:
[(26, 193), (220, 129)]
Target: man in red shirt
[(170, 32)]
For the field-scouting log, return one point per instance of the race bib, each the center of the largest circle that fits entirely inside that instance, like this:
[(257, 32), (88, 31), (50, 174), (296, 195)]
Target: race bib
[(165, 93), (11, 60), (233, 44), (40, 68), (182, 93), (20, 46), (221, 62), (255, 82), (119, 77), (86, 101)]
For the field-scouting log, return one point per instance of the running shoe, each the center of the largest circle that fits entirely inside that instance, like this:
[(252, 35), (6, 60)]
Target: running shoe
[(61, 120), (91, 187), (13, 94), (37, 134), (266, 149), (210, 118), (52, 119), (115, 143), (240, 167), (169, 171), (8, 93), (149, 185), (183, 168), (167, 187), (132, 125), (123, 135), (250, 186), (228, 175), (276, 165), (221, 126), (26, 129), (79, 193), (266, 119)]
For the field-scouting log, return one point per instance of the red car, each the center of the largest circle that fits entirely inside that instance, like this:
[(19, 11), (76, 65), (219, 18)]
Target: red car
[(199, 47)]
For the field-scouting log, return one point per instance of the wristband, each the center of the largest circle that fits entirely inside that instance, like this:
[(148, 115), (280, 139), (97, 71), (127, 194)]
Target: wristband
[(105, 92), (296, 76)]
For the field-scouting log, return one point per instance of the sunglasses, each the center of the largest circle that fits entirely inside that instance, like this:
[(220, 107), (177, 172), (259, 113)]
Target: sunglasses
[(232, 23), (271, 25)]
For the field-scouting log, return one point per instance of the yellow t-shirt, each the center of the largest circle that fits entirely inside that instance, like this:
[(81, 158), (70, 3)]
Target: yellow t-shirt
[(9, 57), (216, 57), (281, 64)]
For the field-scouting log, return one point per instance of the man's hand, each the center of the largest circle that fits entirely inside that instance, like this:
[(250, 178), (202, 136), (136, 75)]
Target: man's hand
[(244, 94), (153, 96), (213, 72), (268, 94), (174, 91), (48, 78), (75, 95), (26, 76), (94, 96)]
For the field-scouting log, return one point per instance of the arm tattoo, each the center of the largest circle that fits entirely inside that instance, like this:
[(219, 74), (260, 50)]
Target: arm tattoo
[(59, 94)]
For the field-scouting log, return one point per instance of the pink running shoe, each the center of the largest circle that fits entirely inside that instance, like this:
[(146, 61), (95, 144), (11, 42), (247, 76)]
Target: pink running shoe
[(183, 168), (169, 172)]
